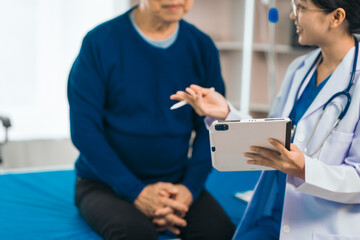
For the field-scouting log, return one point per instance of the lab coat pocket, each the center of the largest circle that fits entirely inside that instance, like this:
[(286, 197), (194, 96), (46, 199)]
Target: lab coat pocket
[(321, 236), (336, 148)]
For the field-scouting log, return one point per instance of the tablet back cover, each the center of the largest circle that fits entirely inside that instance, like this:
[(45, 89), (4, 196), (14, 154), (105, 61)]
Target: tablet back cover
[(231, 139)]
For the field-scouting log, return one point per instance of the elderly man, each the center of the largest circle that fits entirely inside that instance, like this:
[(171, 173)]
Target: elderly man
[(135, 178)]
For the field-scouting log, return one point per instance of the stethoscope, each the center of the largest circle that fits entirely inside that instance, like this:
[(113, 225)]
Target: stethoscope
[(342, 93)]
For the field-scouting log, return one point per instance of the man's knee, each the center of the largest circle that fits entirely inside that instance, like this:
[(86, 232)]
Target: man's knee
[(224, 234), (129, 232), (211, 233)]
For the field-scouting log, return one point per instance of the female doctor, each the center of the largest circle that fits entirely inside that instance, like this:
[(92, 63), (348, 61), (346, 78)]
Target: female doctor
[(316, 192)]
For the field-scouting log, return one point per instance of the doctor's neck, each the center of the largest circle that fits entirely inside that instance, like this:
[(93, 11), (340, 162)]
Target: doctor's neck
[(335, 49)]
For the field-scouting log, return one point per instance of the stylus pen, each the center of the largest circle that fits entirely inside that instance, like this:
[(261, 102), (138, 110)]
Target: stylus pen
[(183, 103), (178, 105)]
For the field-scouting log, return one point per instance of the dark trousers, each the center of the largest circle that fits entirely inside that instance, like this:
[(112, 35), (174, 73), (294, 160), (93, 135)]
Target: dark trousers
[(115, 218)]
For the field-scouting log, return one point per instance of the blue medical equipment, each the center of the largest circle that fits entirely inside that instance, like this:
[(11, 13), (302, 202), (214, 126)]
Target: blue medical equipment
[(342, 93), (273, 17)]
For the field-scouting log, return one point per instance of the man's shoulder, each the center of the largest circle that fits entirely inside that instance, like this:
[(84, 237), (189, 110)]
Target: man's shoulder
[(111, 28), (195, 33)]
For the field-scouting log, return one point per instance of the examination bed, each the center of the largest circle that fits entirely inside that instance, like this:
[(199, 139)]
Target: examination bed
[(38, 204)]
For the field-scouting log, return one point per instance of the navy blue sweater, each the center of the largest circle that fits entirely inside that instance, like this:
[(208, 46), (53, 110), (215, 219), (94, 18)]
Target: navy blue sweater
[(120, 117)]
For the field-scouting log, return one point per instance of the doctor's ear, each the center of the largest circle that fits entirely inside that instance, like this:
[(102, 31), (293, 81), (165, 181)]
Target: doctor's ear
[(337, 17)]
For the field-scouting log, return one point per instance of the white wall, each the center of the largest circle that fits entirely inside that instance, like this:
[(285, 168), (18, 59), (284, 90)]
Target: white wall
[(39, 41)]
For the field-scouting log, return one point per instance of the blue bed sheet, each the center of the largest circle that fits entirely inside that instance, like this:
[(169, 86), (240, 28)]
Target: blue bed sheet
[(40, 205)]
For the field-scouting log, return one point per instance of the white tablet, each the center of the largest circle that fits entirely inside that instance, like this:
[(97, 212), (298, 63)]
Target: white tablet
[(229, 141)]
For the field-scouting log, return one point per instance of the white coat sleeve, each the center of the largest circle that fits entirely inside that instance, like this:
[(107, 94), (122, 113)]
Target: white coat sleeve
[(336, 183), (234, 114)]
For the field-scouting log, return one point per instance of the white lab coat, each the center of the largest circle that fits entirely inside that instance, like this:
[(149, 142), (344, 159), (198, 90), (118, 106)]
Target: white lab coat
[(327, 204)]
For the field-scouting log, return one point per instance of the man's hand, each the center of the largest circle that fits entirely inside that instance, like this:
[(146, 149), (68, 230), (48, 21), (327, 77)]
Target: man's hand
[(150, 199), (167, 218), (183, 195)]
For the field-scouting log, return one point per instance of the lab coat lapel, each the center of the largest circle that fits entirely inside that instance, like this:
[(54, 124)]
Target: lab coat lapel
[(338, 81), (297, 79)]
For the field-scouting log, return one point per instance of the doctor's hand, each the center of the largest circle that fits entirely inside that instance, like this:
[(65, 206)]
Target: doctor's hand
[(290, 162), (205, 101)]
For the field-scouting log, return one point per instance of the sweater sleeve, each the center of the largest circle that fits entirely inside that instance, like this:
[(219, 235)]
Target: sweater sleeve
[(199, 165), (87, 97)]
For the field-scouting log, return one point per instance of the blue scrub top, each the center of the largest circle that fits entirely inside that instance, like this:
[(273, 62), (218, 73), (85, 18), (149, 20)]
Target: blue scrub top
[(268, 227), (306, 98)]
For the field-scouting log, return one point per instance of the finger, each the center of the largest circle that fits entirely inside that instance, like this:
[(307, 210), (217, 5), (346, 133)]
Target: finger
[(177, 206), (294, 148), (180, 93), (199, 98), (184, 96), (168, 187), (164, 225), (281, 148), (176, 97), (256, 157), (172, 190), (261, 163), (175, 220), (160, 222), (174, 230), (164, 193), (197, 88), (180, 214), (208, 90), (191, 92), (187, 98), (269, 153), (168, 192), (163, 211)]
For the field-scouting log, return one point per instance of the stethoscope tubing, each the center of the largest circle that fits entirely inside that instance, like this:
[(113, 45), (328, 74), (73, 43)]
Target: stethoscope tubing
[(346, 93)]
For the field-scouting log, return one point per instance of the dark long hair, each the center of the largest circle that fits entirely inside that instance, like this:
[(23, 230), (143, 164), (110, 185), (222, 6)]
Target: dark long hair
[(351, 7)]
